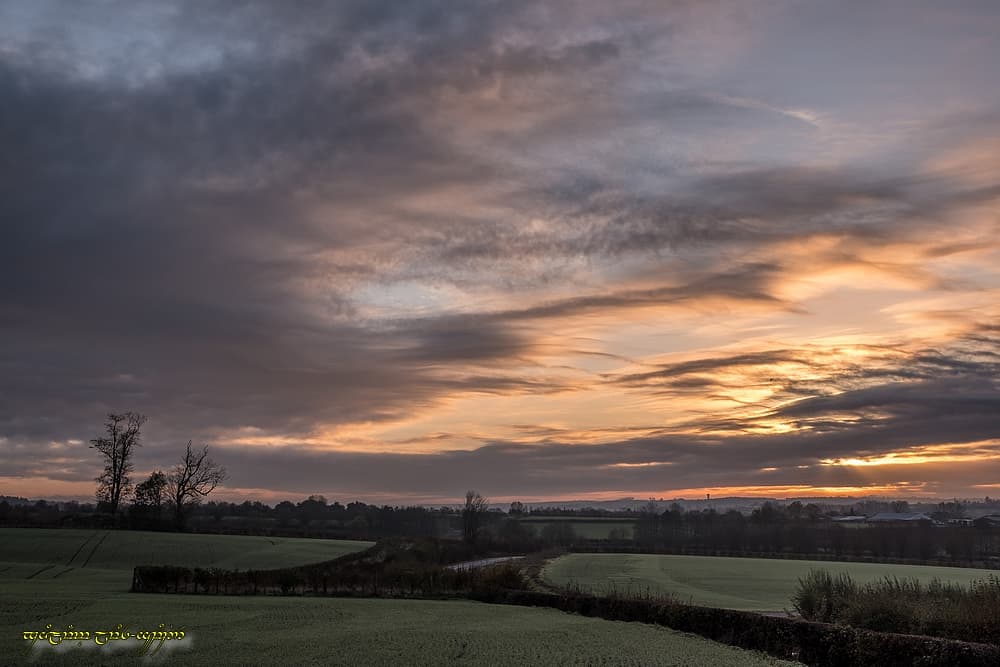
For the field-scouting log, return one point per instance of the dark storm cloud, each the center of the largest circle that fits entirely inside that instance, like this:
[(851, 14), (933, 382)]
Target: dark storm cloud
[(894, 400), (155, 232)]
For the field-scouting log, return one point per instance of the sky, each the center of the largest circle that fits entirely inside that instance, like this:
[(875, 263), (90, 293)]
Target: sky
[(392, 251)]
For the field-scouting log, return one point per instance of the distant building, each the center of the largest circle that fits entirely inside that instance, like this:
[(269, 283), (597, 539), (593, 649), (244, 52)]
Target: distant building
[(853, 518), (899, 517)]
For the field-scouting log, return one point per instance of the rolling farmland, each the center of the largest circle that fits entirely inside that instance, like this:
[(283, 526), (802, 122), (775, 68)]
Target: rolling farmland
[(112, 549), (754, 584), (330, 631), (82, 577)]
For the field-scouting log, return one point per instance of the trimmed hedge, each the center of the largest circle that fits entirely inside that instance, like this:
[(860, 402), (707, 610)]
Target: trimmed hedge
[(391, 568), (818, 644)]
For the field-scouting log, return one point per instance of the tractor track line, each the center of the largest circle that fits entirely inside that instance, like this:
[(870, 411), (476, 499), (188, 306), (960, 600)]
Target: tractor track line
[(80, 548), (94, 550), (38, 572), (59, 574)]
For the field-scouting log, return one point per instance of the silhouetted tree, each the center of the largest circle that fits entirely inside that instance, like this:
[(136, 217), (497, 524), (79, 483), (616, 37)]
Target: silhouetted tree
[(147, 506), (313, 508), (768, 513), (560, 533), (122, 438), (472, 513), (647, 528), (515, 535), (150, 494), (192, 479)]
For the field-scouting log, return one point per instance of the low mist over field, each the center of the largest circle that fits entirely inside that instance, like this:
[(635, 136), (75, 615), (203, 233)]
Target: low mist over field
[(392, 251)]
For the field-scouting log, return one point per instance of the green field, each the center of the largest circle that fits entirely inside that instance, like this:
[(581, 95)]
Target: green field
[(756, 584), (38, 587), (103, 549)]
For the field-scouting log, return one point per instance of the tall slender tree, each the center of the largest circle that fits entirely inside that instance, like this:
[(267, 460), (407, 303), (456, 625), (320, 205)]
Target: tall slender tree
[(472, 514), (116, 448)]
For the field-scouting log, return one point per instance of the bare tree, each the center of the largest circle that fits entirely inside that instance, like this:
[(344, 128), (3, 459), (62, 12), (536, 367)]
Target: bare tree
[(475, 507), (122, 438), (192, 479)]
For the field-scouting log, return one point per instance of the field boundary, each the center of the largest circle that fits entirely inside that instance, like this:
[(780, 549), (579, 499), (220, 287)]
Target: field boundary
[(611, 547), (814, 644)]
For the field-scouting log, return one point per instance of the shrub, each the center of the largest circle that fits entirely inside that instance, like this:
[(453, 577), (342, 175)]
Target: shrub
[(288, 579), (937, 608), (823, 597), (500, 577)]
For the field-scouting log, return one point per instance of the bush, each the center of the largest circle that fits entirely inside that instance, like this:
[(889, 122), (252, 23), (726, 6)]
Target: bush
[(823, 597), (890, 604), (879, 613), (288, 580)]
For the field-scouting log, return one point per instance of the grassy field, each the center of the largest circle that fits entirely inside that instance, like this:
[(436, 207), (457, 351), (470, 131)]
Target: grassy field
[(756, 584), (52, 576), (103, 549)]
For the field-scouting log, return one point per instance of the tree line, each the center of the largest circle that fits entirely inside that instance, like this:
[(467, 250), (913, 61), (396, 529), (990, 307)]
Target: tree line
[(803, 530)]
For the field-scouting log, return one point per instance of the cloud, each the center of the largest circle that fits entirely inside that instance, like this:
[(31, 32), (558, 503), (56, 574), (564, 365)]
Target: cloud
[(359, 216)]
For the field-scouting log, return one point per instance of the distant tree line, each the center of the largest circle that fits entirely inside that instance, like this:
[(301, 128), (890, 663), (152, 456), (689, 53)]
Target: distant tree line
[(803, 530), (312, 517), (485, 530)]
